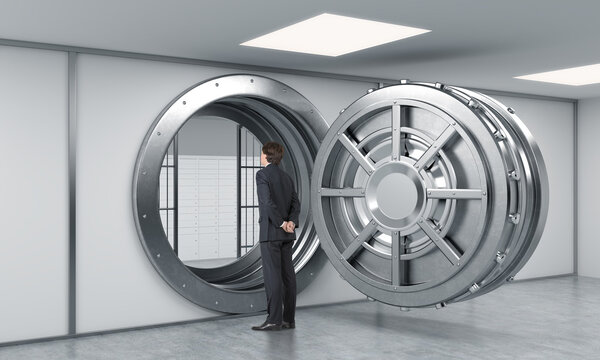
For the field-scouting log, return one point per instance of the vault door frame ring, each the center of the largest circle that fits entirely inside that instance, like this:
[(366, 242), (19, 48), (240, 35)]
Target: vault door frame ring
[(307, 121)]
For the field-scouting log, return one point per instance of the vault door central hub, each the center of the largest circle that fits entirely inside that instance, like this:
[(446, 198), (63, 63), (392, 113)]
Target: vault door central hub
[(395, 195)]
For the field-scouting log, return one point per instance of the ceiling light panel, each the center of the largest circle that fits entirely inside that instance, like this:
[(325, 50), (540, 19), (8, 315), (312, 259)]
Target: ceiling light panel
[(333, 35), (581, 75)]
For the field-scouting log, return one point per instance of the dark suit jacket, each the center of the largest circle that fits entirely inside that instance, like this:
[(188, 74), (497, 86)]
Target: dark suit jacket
[(277, 202)]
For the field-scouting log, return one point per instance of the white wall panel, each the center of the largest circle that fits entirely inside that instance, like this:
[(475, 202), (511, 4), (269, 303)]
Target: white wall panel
[(551, 124), (589, 191), (118, 99), (34, 193)]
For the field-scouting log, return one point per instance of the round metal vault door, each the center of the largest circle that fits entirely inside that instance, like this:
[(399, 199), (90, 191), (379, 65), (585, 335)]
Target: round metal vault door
[(425, 194), (273, 112)]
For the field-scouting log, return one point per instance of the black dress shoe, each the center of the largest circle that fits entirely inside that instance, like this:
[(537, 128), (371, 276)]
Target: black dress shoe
[(288, 325), (267, 327)]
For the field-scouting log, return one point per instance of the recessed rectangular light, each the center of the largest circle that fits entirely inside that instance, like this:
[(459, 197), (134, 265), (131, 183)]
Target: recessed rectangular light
[(577, 76), (333, 35)]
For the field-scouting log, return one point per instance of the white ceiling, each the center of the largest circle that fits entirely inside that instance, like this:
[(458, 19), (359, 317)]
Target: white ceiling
[(473, 43)]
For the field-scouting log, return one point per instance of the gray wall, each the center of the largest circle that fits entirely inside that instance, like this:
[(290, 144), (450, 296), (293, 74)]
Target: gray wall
[(34, 192), (118, 99), (588, 175), (208, 136)]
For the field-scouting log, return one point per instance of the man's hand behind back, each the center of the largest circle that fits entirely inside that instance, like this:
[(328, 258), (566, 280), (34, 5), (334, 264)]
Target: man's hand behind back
[(289, 226)]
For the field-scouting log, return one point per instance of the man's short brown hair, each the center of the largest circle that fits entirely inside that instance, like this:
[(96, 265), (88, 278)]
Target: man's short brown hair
[(274, 152)]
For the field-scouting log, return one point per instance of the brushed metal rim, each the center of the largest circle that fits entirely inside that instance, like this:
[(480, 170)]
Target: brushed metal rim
[(533, 188), (270, 99)]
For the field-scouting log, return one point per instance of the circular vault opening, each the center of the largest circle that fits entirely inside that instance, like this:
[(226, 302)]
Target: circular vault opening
[(271, 111)]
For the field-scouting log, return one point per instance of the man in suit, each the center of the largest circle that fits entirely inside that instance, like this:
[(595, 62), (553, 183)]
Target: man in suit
[(279, 209)]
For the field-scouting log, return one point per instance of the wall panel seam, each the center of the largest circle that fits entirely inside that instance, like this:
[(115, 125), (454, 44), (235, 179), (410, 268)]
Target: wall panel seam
[(72, 165), (575, 188)]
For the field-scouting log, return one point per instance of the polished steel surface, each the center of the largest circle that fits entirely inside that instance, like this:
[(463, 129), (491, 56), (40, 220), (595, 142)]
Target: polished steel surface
[(272, 111), (426, 194)]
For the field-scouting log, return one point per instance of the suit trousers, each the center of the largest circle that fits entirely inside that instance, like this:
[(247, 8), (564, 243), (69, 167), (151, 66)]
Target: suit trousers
[(280, 280)]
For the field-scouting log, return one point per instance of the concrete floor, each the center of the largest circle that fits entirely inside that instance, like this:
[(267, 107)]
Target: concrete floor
[(555, 318)]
